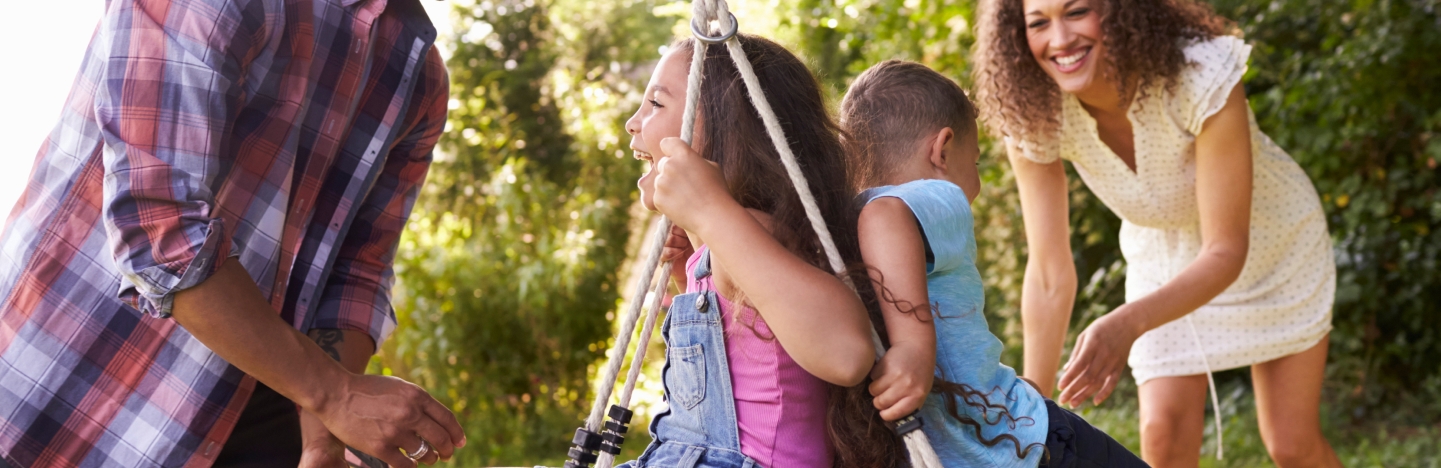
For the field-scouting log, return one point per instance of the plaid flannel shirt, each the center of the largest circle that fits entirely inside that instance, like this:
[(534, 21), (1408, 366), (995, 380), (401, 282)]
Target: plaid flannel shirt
[(291, 136)]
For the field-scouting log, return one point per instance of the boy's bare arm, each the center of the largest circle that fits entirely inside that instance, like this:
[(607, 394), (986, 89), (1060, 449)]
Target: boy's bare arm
[(894, 252)]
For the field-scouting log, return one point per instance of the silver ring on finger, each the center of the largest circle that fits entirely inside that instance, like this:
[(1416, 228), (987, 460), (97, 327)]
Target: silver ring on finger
[(420, 452)]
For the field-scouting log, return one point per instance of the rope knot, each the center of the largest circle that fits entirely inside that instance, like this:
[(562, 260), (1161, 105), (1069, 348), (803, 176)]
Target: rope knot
[(712, 16)]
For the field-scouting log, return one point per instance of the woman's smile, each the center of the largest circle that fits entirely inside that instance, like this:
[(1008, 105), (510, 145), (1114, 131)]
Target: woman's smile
[(1065, 38), (1071, 60)]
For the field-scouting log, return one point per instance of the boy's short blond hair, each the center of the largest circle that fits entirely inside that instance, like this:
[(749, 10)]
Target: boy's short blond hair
[(890, 108)]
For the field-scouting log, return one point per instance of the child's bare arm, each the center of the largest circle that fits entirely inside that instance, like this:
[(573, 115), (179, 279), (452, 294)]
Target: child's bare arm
[(892, 246), (816, 318)]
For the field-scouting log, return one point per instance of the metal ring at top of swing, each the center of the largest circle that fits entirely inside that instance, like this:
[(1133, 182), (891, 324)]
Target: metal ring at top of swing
[(701, 35)]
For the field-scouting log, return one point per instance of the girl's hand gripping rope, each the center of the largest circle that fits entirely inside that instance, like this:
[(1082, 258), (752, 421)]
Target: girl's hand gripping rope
[(688, 188)]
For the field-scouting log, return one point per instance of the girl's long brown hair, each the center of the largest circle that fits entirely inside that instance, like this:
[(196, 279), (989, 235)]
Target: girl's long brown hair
[(1144, 41), (734, 137)]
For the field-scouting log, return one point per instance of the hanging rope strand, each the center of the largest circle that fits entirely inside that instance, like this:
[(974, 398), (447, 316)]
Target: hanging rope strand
[(651, 313), (788, 158), (1211, 382), (707, 13), (917, 444), (605, 384), (589, 438)]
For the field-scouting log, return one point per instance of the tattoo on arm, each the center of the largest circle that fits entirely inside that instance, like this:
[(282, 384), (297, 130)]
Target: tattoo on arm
[(329, 340)]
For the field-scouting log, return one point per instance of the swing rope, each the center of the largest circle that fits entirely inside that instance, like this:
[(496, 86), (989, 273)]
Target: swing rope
[(591, 438), (708, 15), (662, 232), (588, 439), (917, 444)]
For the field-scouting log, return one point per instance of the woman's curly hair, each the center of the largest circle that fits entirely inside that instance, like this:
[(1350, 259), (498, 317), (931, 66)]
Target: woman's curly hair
[(1143, 38)]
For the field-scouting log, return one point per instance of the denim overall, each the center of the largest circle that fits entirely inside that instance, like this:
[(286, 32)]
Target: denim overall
[(698, 429)]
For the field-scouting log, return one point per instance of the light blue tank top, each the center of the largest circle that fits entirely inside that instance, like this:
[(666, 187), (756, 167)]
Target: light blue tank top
[(966, 350)]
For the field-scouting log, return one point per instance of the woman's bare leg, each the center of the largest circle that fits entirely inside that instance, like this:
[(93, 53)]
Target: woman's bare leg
[(1288, 407), (1173, 417)]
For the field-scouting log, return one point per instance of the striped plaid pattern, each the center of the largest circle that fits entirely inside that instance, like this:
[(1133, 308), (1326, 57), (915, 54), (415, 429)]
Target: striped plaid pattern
[(289, 135)]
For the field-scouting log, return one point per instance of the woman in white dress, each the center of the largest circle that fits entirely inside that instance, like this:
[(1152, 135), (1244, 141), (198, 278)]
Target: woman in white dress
[(1229, 261)]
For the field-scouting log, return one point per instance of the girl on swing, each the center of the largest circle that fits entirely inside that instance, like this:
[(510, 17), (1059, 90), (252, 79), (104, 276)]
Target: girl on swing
[(764, 332)]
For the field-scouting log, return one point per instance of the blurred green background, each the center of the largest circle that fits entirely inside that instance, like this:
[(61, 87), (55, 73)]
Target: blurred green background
[(520, 250)]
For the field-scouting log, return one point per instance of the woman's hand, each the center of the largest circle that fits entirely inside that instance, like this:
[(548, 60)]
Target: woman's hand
[(1223, 198), (901, 380), (687, 187), (1098, 359)]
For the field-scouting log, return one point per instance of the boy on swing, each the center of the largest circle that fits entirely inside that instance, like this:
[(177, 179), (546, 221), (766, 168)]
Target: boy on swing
[(911, 138)]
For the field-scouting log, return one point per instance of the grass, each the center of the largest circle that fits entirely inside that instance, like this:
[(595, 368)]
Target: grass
[(1369, 444), (1374, 444)]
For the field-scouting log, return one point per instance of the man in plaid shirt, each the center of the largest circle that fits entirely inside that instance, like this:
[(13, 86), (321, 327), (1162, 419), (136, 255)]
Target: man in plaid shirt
[(220, 204)]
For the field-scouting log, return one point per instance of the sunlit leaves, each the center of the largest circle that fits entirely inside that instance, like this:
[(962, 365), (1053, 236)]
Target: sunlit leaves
[(1350, 89), (508, 275), (508, 272)]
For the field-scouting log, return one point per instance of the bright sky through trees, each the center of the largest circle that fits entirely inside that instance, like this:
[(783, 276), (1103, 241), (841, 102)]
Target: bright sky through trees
[(41, 44)]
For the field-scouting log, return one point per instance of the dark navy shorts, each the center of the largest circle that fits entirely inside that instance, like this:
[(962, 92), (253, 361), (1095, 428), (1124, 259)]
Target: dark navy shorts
[(1074, 443)]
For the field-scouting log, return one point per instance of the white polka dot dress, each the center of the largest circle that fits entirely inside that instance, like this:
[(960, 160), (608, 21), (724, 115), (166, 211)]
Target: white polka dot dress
[(1281, 303)]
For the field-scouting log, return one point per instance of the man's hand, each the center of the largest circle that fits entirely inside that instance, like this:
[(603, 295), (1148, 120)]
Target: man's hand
[(382, 415), (352, 349), (901, 381), (320, 449), (379, 415)]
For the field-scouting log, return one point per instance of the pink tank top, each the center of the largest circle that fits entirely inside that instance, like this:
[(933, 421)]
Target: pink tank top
[(780, 408)]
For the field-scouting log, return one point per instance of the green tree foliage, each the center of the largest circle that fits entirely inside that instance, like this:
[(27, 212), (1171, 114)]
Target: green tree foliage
[(1349, 88), (509, 269), (1352, 89)]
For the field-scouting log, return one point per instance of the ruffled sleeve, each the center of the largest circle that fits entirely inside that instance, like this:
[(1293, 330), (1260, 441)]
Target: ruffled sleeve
[(1046, 151), (1217, 65)]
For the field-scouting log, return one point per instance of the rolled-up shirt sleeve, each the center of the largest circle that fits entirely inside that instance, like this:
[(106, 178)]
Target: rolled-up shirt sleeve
[(357, 293), (168, 96)]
